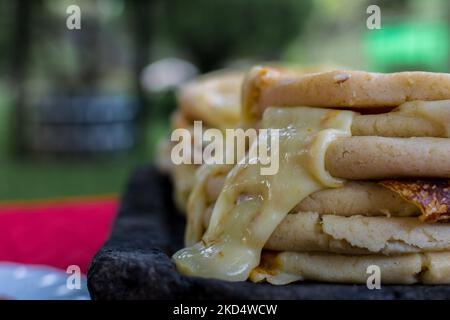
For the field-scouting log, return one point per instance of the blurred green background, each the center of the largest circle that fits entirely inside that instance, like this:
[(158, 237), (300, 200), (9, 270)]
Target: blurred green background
[(132, 54)]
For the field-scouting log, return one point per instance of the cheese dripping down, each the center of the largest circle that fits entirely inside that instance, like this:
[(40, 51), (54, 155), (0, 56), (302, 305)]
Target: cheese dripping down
[(251, 205)]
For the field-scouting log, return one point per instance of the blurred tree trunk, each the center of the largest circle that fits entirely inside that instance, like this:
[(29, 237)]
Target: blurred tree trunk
[(140, 25), (140, 22), (20, 49)]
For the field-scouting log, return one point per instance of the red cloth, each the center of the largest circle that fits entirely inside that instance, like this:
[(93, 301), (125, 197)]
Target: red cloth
[(59, 233)]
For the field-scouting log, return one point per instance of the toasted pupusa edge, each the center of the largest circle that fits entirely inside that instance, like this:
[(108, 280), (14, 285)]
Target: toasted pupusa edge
[(431, 196), (281, 268), (365, 158), (353, 198), (411, 119), (392, 124), (265, 87), (358, 198), (213, 98)]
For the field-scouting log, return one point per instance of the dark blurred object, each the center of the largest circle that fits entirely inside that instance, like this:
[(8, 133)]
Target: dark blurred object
[(76, 89), (213, 31), (81, 124), (20, 45)]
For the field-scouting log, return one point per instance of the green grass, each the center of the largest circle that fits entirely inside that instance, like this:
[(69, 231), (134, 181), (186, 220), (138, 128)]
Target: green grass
[(27, 179), (40, 178)]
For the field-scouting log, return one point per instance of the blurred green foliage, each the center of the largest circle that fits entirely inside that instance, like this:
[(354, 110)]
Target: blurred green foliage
[(212, 32), (409, 46)]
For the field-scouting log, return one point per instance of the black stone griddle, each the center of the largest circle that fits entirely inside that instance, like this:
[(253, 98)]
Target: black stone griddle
[(135, 262)]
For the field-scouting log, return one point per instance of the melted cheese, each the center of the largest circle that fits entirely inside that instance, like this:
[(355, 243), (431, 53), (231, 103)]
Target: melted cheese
[(252, 205), (213, 98), (198, 203)]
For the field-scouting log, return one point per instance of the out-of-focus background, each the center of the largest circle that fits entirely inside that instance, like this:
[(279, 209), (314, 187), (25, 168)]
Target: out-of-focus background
[(80, 109)]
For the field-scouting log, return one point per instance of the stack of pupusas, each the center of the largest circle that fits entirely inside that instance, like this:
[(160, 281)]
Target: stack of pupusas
[(363, 179), (214, 100)]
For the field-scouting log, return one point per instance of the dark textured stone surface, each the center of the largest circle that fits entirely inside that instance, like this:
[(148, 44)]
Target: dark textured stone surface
[(135, 262)]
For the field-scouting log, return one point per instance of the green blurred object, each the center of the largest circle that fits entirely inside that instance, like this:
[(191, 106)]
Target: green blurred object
[(408, 46)]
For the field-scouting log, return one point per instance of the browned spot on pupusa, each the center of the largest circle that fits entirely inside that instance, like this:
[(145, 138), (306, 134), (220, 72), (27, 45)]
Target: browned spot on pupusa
[(431, 196), (264, 79), (268, 264)]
